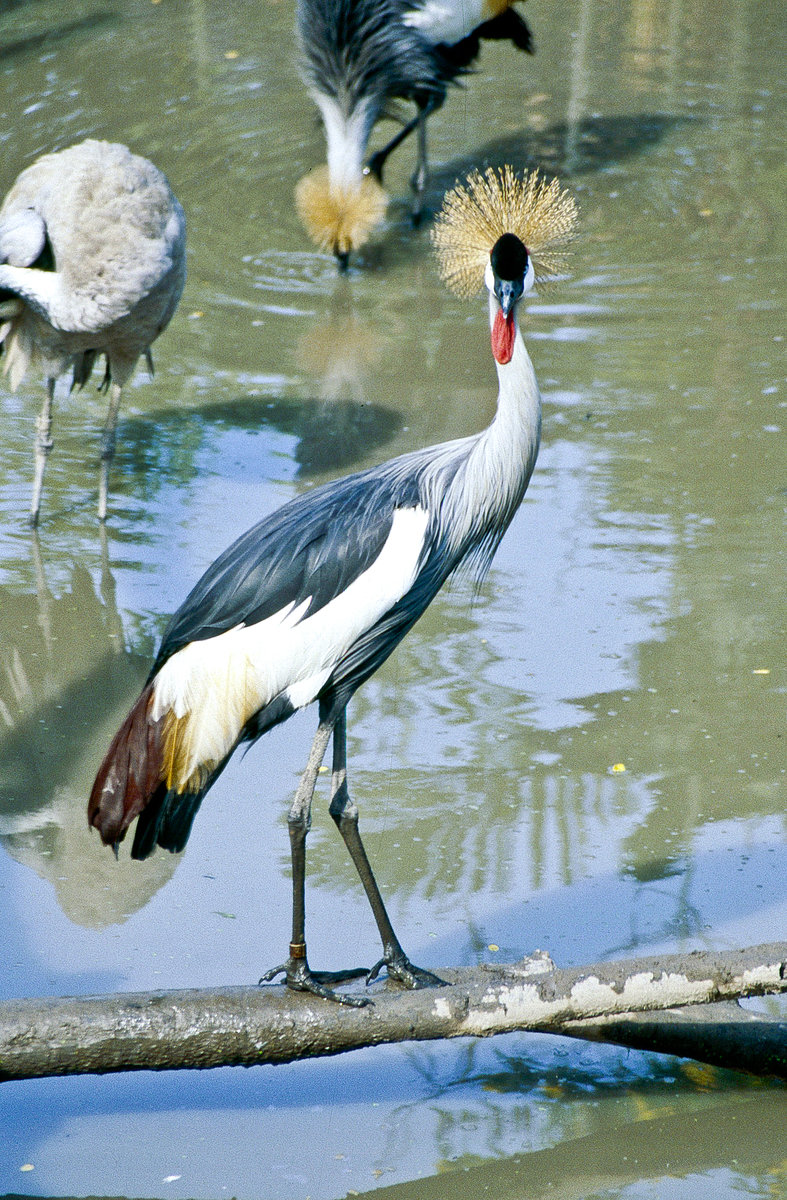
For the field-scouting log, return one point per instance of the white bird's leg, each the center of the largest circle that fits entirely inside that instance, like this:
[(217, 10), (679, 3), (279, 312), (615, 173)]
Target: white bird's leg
[(298, 975), (43, 446), (345, 814), (108, 448)]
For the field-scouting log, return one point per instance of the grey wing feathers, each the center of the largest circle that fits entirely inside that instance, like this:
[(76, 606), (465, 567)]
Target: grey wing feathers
[(313, 547), (359, 49)]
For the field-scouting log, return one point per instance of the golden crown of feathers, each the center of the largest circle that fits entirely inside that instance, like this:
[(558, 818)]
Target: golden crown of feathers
[(476, 213)]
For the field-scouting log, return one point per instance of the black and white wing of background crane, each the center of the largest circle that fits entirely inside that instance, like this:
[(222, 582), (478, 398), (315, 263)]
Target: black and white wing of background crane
[(92, 262), (311, 601)]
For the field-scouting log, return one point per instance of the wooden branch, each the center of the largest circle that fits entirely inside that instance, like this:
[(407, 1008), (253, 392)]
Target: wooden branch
[(242, 1026)]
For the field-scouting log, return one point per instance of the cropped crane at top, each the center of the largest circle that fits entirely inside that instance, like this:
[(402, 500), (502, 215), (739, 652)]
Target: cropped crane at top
[(361, 57)]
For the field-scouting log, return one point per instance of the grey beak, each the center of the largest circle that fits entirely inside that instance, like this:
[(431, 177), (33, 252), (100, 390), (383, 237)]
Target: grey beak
[(508, 292)]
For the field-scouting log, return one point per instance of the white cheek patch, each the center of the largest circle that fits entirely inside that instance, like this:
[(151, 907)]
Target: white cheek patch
[(219, 683), (489, 277)]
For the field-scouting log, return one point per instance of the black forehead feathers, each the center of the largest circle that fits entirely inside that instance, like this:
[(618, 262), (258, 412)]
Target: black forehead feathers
[(509, 257)]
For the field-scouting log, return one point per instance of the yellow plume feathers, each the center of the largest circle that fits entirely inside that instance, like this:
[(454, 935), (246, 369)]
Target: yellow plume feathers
[(339, 218), (478, 212)]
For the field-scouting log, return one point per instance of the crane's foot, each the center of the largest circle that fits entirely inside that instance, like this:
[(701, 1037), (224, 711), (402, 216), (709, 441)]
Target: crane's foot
[(300, 978), (399, 967)]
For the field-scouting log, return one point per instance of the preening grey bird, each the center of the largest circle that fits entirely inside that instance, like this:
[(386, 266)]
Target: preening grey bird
[(359, 58), (92, 261), (307, 605)]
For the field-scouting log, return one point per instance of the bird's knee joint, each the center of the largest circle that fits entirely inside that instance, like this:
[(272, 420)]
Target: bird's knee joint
[(298, 823), (343, 810)]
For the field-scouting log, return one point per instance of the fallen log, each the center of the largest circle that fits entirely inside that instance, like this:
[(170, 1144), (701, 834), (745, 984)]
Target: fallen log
[(244, 1026)]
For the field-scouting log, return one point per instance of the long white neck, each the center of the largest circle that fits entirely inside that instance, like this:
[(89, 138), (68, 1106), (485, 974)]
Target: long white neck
[(515, 432), (486, 491), (346, 137), (44, 293)]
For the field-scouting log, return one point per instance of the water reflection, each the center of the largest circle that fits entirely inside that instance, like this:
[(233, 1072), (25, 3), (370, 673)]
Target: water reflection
[(615, 1162), (57, 654)]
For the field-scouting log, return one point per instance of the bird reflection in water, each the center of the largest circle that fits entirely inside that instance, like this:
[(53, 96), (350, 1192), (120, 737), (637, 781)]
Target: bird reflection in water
[(59, 649)]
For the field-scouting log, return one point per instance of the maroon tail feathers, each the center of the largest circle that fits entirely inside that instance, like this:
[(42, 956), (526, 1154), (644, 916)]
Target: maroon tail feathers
[(130, 774)]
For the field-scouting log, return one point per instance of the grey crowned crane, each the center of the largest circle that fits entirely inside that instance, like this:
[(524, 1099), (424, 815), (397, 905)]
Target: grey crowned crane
[(310, 602), (360, 57), (92, 261)]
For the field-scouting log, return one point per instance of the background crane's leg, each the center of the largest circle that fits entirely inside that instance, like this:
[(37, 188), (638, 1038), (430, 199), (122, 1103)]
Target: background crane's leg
[(345, 814), (298, 975), (418, 181), (43, 446), (108, 448), (378, 160)]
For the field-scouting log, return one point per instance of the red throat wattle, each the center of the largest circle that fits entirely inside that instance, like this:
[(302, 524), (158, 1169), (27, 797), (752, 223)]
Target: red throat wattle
[(503, 332)]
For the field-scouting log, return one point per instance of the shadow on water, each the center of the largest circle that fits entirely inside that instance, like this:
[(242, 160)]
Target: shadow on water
[(566, 148), (330, 434), (573, 148), (36, 43)]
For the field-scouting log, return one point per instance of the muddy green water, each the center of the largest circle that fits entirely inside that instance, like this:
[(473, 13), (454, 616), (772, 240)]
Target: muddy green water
[(634, 614)]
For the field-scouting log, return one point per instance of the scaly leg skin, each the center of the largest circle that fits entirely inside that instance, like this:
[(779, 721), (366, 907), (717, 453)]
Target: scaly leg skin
[(43, 448), (108, 449), (297, 974), (345, 814)]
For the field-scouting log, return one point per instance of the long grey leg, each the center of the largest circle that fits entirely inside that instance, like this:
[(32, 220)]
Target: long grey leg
[(345, 814), (298, 975), (43, 447), (108, 448)]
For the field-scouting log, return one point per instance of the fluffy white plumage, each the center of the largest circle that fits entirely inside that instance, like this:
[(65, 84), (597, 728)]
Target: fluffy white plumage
[(92, 261)]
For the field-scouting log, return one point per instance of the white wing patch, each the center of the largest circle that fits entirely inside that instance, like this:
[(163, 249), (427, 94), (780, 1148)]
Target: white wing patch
[(220, 682), (446, 20)]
